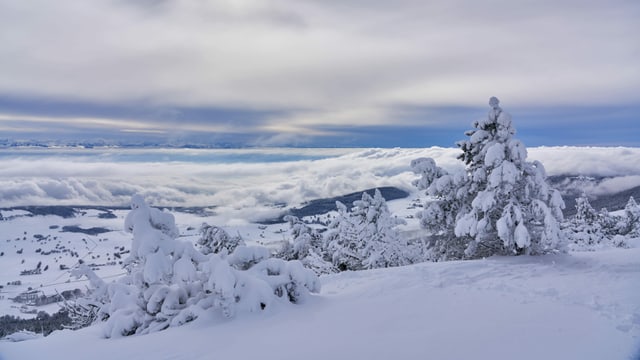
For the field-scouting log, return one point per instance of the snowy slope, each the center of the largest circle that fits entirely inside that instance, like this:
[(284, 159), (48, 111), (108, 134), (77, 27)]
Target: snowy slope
[(577, 306)]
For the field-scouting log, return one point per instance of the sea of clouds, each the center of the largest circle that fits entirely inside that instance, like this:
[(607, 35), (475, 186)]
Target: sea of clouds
[(248, 190)]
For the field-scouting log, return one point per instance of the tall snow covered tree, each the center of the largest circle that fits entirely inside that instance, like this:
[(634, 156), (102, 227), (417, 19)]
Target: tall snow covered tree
[(500, 204)]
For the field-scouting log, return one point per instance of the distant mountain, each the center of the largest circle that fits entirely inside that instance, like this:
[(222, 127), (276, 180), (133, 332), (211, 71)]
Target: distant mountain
[(89, 144)]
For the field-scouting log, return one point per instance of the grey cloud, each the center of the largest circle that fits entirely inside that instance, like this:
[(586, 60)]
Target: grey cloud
[(226, 53)]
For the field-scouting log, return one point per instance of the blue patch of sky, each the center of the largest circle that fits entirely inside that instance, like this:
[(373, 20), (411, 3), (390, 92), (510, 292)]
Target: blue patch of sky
[(579, 126), (550, 126)]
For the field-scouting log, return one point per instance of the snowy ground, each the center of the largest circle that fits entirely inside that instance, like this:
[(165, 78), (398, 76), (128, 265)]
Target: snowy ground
[(577, 306)]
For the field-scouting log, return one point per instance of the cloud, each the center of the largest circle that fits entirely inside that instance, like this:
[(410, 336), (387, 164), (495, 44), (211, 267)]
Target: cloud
[(124, 125), (246, 188), (321, 55), (285, 72), (593, 161)]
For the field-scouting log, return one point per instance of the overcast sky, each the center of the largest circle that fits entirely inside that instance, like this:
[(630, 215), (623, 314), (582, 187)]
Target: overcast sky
[(319, 73)]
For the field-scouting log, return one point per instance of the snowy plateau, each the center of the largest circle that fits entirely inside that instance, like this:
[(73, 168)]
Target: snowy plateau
[(574, 305)]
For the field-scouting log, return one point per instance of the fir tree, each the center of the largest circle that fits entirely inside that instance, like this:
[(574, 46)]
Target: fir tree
[(382, 244), (585, 230), (366, 237), (500, 204), (341, 241), (630, 223)]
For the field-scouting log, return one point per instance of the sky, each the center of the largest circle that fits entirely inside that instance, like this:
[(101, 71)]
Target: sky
[(348, 73)]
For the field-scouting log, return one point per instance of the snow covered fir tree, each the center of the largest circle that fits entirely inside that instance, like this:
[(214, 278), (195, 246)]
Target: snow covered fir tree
[(366, 237), (630, 223), (585, 229), (499, 204)]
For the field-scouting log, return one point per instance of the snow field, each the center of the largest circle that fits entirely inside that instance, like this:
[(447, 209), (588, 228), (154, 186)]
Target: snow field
[(578, 306)]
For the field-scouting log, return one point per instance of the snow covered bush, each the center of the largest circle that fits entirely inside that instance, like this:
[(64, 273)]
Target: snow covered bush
[(214, 239), (383, 245), (169, 282), (307, 246), (500, 204), (629, 224), (341, 241), (589, 230), (366, 237), (585, 231)]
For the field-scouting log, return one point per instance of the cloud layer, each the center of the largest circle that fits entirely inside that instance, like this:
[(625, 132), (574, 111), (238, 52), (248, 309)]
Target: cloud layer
[(247, 190), (321, 53)]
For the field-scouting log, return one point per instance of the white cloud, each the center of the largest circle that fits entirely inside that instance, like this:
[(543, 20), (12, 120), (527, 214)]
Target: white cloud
[(594, 161), (26, 122), (324, 56), (245, 190)]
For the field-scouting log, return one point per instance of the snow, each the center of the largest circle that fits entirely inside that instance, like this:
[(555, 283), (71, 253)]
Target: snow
[(521, 236), (495, 154), (578, 306), (23, 335)]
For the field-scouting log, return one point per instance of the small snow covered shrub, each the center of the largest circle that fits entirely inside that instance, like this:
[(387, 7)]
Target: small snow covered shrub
[(629, 224), (307, 246), (214, 239), (169, 282), (500, 203), (341, 241), (590, 230)]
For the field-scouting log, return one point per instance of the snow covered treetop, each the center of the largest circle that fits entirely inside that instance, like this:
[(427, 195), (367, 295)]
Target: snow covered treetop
[(137, 202), (494, 102), (142, 216)]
